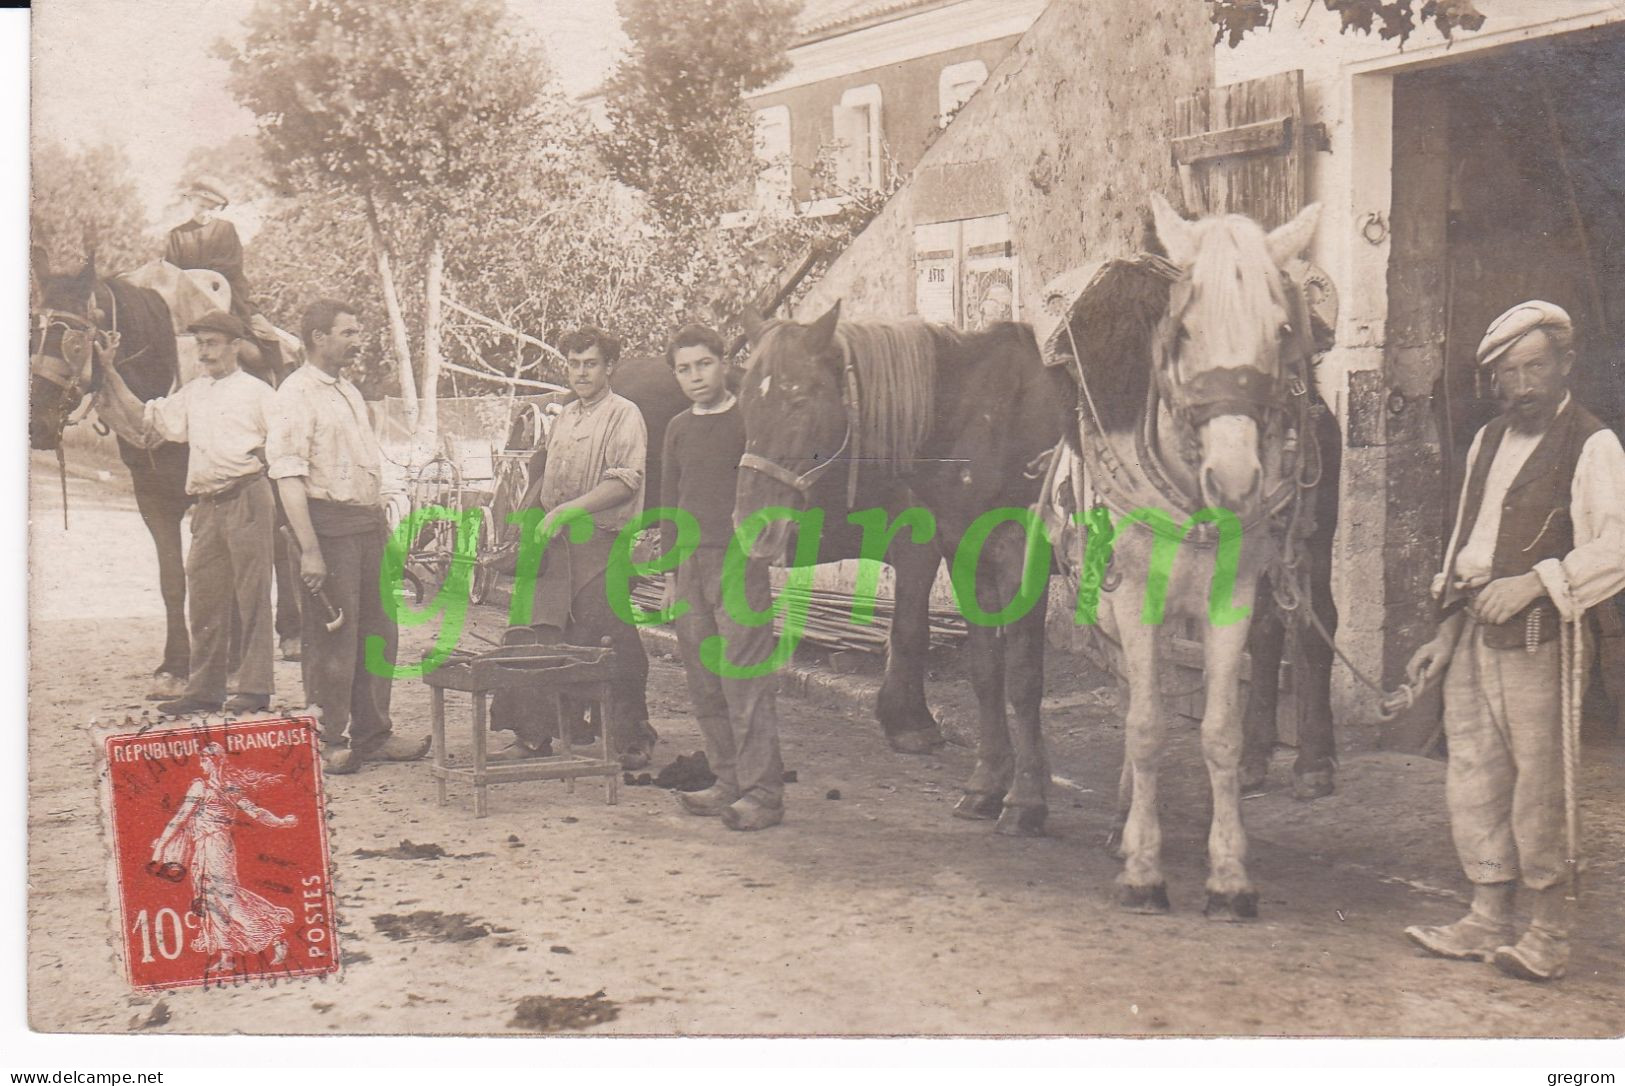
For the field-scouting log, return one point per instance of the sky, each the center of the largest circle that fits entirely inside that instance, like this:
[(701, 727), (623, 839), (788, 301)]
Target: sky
[(141, 73)]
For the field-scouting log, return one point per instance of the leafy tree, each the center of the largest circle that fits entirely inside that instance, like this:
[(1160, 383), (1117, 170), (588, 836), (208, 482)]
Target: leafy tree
[(239, 164), (420, 113), (87, 199), (679, 129), (1235, 19)]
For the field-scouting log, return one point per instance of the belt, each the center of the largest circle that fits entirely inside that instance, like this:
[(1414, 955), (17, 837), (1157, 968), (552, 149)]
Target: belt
[(231, 489)]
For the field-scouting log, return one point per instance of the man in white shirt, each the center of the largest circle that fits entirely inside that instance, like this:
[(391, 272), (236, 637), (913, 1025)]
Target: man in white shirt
[(1539, 540), (326, 463), (223, 417)]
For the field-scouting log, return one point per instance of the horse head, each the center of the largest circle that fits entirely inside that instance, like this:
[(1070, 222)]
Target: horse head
[(65, 329), (1222, 346), (793, 405)]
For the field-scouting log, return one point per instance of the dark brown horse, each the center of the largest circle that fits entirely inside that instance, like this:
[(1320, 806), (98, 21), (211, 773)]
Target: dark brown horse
[(843, 418), (74, 313)]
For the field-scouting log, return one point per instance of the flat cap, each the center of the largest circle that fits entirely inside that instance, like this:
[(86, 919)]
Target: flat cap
[(207, 185), (220, 321), (1517, 322)]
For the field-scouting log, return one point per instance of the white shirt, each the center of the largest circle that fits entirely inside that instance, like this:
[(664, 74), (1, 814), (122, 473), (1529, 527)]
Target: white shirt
[(1595, 569), (224, 421), (320, 432)]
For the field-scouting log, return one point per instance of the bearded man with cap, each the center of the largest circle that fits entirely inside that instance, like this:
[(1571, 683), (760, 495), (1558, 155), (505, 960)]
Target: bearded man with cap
[(1539, 540), (223, 416)]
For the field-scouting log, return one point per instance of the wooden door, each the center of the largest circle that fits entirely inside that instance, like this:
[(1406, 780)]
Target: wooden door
[(1240, 149)]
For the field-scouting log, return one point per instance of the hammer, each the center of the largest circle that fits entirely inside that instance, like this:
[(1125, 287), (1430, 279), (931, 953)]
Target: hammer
[(333, 618)]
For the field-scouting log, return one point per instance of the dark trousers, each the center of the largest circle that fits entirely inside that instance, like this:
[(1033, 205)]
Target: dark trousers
[(573, 591), (161, 499), (229, 573), (354, 702), (289, 589), (737, 717)]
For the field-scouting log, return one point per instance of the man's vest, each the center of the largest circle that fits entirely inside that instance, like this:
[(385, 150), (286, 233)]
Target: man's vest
[(1535, 520)]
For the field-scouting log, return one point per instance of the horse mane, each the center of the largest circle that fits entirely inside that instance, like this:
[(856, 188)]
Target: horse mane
[(896, 366), (1232, 289)]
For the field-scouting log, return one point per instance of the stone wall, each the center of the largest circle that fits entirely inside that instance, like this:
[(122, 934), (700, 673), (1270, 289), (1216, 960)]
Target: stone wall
[(1068, 136)]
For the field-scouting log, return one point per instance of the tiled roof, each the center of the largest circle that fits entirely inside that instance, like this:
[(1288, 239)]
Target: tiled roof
[(819, 17)]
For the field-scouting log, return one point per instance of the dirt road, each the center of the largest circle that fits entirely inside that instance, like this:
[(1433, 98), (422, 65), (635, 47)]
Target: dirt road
[(872, 913)]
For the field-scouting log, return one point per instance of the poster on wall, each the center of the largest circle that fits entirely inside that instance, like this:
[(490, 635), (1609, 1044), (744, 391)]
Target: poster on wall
[(966, 272), (936, 264), (989, 286)]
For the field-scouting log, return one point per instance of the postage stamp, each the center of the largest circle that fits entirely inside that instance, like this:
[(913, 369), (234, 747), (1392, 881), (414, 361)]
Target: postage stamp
[(220, 853)]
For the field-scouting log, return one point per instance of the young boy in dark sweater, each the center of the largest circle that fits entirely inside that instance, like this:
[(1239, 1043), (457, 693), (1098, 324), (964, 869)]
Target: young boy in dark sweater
[(737, 716)]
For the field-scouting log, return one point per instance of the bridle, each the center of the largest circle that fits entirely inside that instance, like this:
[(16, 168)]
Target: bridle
[(1240, 390), (1251, 391), (72, 367), (803, 482)]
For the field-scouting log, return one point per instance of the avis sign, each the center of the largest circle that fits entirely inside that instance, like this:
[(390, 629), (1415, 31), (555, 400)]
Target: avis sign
[(220, 853)]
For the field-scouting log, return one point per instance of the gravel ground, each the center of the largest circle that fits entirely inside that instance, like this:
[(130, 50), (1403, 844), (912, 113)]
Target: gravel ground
[(874, 913)]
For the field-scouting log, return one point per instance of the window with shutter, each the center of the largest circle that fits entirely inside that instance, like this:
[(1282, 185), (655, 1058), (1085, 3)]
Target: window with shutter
[(1240, 149), (858, 139), (773, 157), (955, 85)]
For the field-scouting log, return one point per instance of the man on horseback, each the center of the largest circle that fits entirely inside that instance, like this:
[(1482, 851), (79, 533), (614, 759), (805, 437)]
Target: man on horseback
[(222, 416), (208, 242), (326, 463), (1539, 540)]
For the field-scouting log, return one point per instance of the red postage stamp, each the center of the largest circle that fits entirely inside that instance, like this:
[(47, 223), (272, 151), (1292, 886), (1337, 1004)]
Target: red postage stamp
[(220, 853)]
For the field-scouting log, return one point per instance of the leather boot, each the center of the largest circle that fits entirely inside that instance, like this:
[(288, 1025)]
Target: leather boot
[(711, 801), (1476, 936), (1543, 952)]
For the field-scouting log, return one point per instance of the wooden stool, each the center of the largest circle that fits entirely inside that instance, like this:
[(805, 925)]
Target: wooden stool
[(558, 671)]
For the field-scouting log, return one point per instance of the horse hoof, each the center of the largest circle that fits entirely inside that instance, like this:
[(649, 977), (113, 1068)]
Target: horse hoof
[(979, 806), (1313, 785), (917, 741), (1150, 900), (1231, 908), (1022, 821)]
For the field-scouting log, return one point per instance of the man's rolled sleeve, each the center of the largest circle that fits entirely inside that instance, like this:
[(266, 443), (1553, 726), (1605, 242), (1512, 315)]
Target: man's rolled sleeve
[(1595, 569), (166, 417), (626, 450)]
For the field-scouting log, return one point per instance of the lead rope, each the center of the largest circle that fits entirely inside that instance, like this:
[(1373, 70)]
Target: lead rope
[(62, 470)]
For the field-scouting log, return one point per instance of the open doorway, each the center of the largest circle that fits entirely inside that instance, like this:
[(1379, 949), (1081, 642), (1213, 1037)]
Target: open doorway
[(1509, 184)]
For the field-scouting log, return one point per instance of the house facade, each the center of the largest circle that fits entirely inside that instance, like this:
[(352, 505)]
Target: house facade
[(871, 84)]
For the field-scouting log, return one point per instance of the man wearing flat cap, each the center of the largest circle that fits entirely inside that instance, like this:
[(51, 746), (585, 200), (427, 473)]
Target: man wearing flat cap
[(223, 416), (1539, 540)]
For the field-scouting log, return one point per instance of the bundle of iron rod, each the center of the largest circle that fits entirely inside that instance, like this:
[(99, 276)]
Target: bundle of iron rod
[(829, 624)]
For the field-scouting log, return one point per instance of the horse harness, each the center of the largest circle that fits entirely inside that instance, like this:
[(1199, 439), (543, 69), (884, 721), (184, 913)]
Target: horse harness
[(850, 443), (1269, 399)]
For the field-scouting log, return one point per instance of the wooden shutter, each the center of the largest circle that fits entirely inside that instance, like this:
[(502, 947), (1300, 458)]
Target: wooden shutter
[(1240, 149)]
